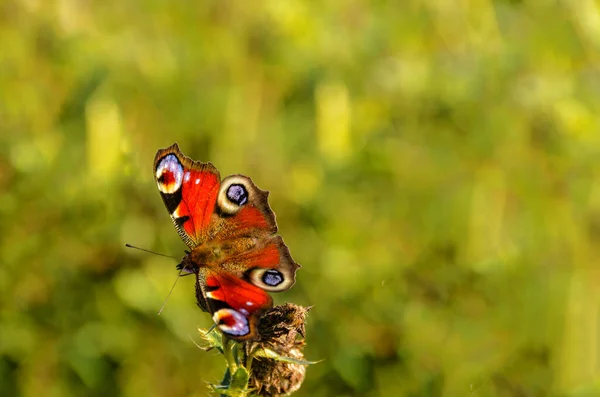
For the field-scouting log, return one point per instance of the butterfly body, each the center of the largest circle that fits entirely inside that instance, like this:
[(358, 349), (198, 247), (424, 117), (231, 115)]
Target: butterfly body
[(230, 230)]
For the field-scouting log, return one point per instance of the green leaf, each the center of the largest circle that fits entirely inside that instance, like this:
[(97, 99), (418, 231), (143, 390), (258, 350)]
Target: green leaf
[(224, 391), (268, 353), (213, 338), (237, 385), (240, 378)]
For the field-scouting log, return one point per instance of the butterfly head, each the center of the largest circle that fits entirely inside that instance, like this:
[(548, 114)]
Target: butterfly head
[(187, 265)]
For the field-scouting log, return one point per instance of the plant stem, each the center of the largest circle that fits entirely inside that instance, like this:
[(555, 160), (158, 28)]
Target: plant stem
[(228, 346)]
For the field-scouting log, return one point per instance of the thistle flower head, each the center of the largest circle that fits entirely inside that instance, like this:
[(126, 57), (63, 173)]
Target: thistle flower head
[(271, 366), (281, 331)]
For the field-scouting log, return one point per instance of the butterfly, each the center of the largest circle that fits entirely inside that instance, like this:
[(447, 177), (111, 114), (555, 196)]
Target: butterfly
[(230, 231)]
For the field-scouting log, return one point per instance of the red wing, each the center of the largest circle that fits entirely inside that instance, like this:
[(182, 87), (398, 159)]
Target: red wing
[(189, 190), (235, 304), (203, 208), (241, 210), (268, 265), (235, 289)]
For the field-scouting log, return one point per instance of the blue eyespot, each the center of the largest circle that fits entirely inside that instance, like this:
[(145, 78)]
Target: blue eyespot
[(237, 194), (272, 277)]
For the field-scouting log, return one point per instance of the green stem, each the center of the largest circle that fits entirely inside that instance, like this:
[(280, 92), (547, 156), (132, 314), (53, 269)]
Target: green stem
[(250, 358), (228, 346)]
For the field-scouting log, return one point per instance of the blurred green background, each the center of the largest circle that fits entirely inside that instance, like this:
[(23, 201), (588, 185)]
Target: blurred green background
[(433, 166)]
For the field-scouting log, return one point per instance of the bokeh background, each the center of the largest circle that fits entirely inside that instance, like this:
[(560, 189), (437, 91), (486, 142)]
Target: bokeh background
[(433, 166)]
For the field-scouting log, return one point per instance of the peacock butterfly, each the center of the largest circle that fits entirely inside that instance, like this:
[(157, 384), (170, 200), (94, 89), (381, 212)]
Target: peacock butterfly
[(230, 230)]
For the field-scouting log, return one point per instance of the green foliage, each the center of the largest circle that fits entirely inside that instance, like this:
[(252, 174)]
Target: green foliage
[(433, 166)]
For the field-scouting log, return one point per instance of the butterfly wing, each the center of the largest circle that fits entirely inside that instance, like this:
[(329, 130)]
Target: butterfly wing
[(234, 287), (231, 230), (241, 210), (203, 208), (235, 304), (189, 190)]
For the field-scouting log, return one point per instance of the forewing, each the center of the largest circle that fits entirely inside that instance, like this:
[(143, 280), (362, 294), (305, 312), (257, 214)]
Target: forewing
[(241, 210), (189, 190)]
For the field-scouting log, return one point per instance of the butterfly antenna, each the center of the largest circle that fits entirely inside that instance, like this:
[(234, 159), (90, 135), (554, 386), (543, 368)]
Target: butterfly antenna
[(152, 252), (170, 292)]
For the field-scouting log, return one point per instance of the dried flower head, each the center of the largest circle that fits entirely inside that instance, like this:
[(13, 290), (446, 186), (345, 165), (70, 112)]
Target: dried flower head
[(283, 325), (272, 366), (281, 332), (272, 377)]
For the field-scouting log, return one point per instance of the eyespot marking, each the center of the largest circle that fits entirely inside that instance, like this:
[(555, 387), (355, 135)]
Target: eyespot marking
[(237, 194), (169, 174), (231, 322), (272, 277)]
